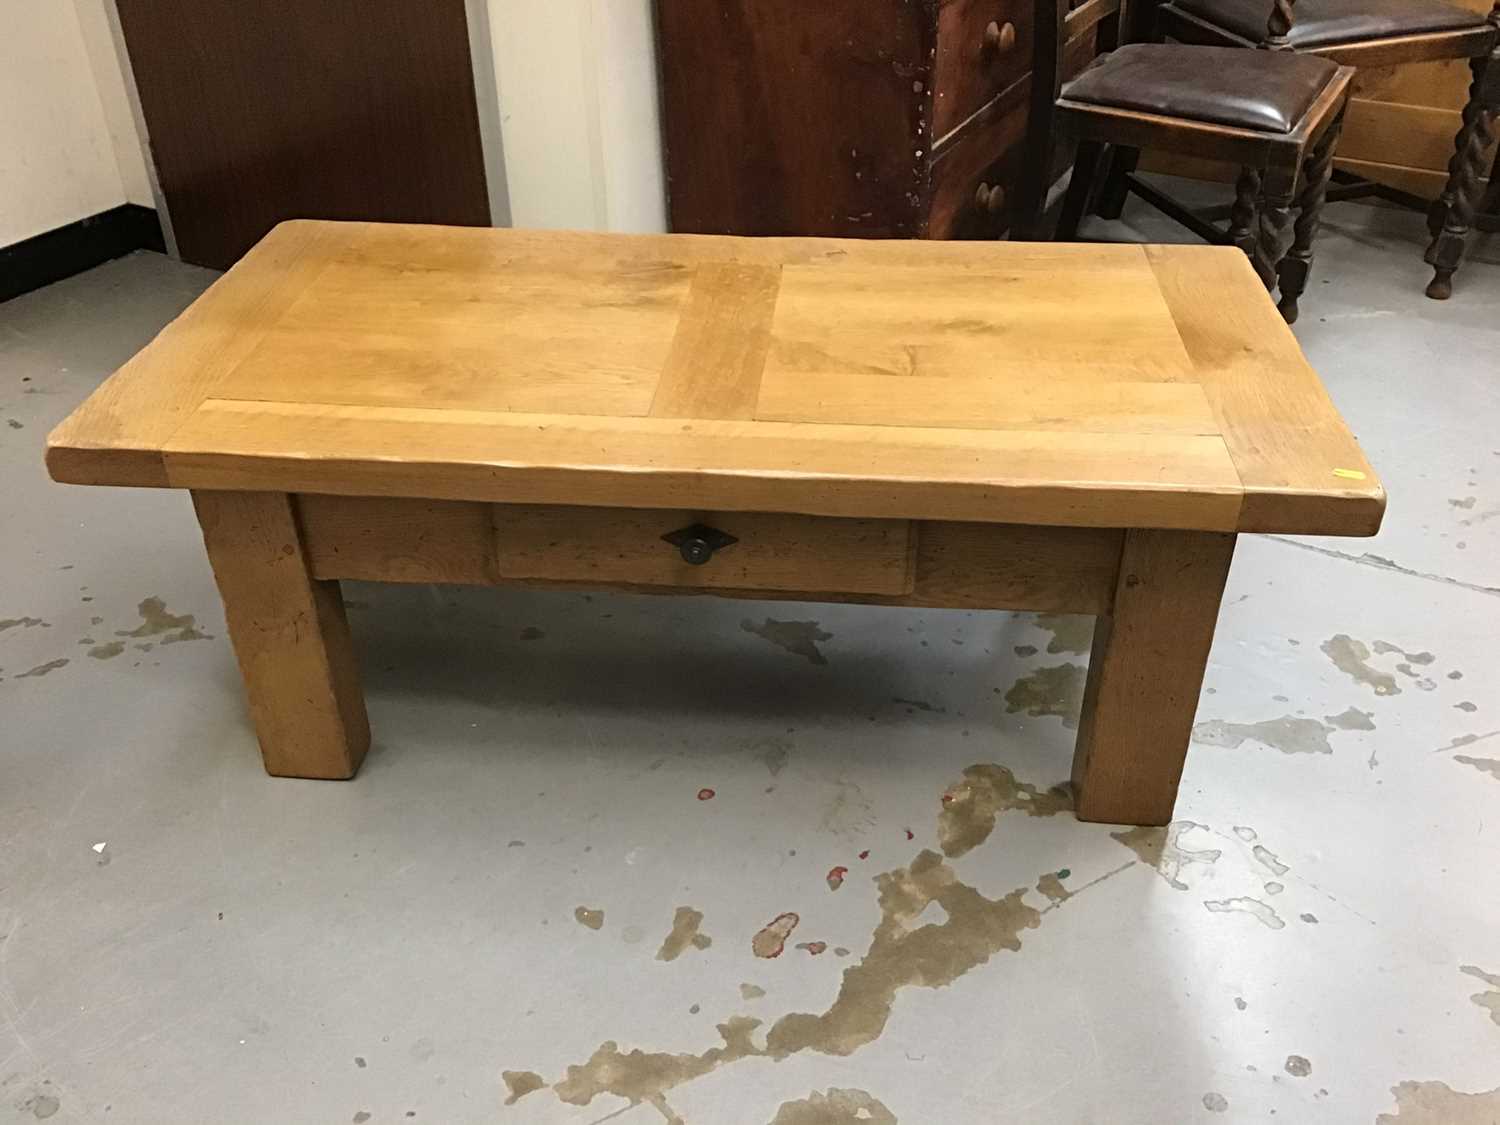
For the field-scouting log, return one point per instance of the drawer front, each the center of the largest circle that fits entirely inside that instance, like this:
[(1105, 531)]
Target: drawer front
[(975, 178), (810, 554), (982, 47)]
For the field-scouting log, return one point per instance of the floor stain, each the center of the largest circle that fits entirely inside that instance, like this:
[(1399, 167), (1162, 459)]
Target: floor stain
[(684, 933), (1071, 633), (971, 806), (1245, 833), (1054, 690), (1024, 651), (107, 651), (1290, 734), (519, 1083), (774, 752), (848, 812), (1215, 1102), (156, 621), (1051, 885), (751, 992), (1436, 1103), (44, 669), (593, 919), (1467, 706), (901, 955), (23, 623), (1466, 503), (1269, 860), (835, 877), (1352, 719), (1490, 766), (1297, 1066), (917, 705), (1351, 657), (813, 947), (1261, 911), (1385, 648), (834, 1107), (1489, 1001), (1162, 849), (1275, 888), (41, 1106), (797, 637), (771, 939)]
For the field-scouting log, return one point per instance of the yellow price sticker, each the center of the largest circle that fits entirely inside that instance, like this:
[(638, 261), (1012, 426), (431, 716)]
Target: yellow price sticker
[(1349, 474)]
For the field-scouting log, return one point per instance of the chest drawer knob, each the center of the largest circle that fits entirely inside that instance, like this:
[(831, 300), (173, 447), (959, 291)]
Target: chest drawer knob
[(990, 199), (697, 544), (999, 38)]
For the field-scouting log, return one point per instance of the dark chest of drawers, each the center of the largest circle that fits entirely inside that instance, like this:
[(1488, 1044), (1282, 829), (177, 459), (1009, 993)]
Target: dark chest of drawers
[(850, 118)]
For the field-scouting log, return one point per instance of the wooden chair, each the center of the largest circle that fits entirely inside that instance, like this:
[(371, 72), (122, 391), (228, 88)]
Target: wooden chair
[(1275, 114), (1365, 33)]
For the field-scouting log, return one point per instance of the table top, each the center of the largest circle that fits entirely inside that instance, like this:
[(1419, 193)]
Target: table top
[(1091, 385)]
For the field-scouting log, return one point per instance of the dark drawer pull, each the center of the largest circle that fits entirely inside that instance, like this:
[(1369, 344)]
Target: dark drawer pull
[(999, 38), (698, 543)]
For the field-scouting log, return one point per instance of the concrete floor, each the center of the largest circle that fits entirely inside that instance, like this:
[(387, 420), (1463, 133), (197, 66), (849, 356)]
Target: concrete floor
[(492, 905)]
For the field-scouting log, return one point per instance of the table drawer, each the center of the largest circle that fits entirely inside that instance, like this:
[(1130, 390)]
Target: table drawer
[(982, 47), (770, 552)]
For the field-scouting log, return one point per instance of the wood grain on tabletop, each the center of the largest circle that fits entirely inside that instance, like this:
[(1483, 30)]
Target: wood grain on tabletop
[(1002, 382)]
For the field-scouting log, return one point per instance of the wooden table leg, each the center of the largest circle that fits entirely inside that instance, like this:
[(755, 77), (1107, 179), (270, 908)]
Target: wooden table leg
[(1145, 674), (290, 635)]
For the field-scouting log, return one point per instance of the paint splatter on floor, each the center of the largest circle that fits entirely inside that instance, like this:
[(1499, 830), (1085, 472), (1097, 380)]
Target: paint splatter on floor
[(593, 919), (1297, 1066), (23, 623), (798, 637), (706, 794), (771, 938), (107, 651), (1051, 885), (1053, 690), (1261, 911), (1437, 1103), (684, 934), (751, 992), (519, 1083), (1215, 1102), (1489, 1001), (971, 806), (1351, 719), (1070, 633), (1290, 734), (158, 621), (44, 669), (835, 1107), (1352, 658), (1269, 860), (1162, 849), (836, 877), (813, 947), (1490, 766)]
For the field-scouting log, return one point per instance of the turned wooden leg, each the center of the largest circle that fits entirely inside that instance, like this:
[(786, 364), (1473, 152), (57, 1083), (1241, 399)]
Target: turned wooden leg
[(1145, 674), (1455, 208), (1274, 230), (1116, 187), (1294, 268), (1085, 168), (290, 635), (1246, 205)]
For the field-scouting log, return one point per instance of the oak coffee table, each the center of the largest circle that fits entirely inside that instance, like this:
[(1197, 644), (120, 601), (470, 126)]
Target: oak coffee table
[(1065, 428)]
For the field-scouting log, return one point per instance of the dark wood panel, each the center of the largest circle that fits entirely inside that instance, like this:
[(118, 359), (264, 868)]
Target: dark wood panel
[(784, 117), (263, 110), (989, 152)]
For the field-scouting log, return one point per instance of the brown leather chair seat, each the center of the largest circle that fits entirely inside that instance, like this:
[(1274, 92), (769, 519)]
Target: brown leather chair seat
[(1268, 91), (1322, 23)]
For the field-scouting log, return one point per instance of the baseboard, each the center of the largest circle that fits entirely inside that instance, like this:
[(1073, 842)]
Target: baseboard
[(60, 253)]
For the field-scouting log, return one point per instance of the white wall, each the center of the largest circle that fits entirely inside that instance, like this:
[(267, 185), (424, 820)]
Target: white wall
[(68, 146), (578, 113), (110, 65)]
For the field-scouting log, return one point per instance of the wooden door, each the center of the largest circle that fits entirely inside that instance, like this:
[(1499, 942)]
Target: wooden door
[(263, 110)]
